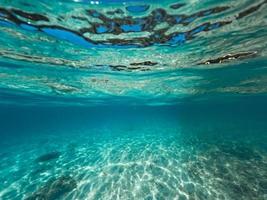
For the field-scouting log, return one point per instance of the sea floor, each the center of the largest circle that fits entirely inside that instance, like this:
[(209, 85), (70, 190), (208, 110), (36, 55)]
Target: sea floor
[(194, 158)]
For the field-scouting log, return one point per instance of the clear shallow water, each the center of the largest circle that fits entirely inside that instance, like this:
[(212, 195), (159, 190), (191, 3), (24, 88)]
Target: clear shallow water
[(133, 100), (214, 151)]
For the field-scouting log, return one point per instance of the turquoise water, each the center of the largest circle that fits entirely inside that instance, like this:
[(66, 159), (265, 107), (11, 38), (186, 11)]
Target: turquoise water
[(133, 100)]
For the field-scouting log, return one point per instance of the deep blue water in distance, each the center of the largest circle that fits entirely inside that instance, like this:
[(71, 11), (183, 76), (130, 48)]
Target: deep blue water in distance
[(138, 100)]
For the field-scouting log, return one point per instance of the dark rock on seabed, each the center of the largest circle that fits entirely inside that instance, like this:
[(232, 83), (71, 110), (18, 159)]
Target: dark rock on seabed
[(54, 189), (48, 156)]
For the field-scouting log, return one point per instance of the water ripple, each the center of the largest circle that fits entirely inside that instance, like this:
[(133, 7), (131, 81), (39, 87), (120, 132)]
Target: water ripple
[(133, 50)]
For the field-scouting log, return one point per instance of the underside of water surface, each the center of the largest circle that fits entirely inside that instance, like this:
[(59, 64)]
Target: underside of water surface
[(138, 100)]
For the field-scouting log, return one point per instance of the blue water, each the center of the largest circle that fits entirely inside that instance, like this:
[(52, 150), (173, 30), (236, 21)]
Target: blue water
[(133, 100)]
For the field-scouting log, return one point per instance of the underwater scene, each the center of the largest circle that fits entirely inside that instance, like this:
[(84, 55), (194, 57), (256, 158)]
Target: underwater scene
[(133, 100)]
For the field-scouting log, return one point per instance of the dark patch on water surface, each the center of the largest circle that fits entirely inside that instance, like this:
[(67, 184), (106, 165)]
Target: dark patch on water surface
[(128, 68), (48, 156), (118, 67), (250, 10), (228, 57), (116, 11), (130, 24), (31, 16), (126, 24), (177, 5), (149, 63), (80, 18), (61, 88), (54, 189), (35, 59)]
